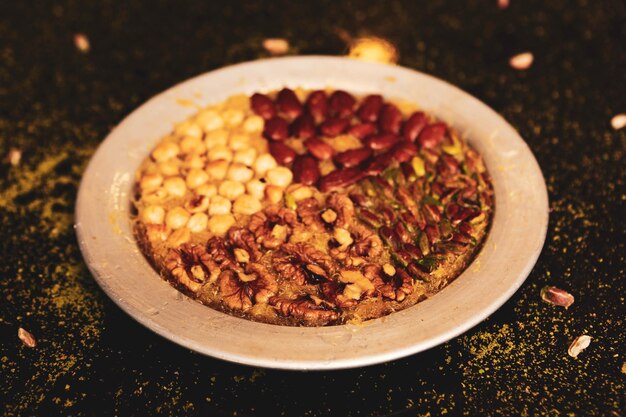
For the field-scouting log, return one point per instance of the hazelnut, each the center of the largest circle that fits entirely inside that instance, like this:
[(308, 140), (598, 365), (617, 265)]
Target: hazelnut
[(209, 120), (219, 205), (217, 169), (198, 222), (153, 214), (246, 204), (216, 138), (264, 163), (151, 181), (220, 223), (165, 151), (175, 186), (253, 124), (176, 218), (196, 177), (239, 172), (231, 189), (279, 176)]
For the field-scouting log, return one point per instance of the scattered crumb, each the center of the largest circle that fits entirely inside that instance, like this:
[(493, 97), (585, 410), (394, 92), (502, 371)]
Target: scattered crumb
[(522, 61), (557, 296), (373, 49), (578, 345), (81, 42), (276, 46), (26, 337), (14, 156), (618, 121), (343, 34)]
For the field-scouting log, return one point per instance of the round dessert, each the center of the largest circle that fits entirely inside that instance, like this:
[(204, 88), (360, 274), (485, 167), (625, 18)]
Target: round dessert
[(312, 208)]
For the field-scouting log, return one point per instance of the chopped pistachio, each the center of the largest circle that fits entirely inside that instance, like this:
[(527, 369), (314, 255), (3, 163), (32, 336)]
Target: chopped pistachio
[(418, 166)]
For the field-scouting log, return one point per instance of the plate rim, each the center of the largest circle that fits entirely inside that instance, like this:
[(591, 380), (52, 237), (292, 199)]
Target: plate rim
[(362, 360)]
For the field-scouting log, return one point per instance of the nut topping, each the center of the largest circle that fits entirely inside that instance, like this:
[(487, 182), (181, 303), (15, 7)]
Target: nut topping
[(304, 309), (26, 337), (240, 291), (556, 296), (191, 266), (314, 212), (578, 345)]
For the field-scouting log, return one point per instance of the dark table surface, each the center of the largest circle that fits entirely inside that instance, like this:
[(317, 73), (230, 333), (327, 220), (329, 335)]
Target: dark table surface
[(57, 104)]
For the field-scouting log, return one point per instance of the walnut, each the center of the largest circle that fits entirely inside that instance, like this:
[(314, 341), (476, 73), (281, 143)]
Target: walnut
[(344, 207), (272, 227), (304, 309), (309, 212), (265, 283), (216, 247), (290, 268), (333, 292), (394, 287), (293, 268), (244, 239), (191, 266), (241, 290), (366, 242), (302, 262)]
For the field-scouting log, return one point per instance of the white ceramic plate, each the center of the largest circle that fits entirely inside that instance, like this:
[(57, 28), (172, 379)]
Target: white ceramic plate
[(510, 252)]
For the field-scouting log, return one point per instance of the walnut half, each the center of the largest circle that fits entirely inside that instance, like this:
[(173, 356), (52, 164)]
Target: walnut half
[(191, 266), (241, 290), (304, 309), (393, 284)]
